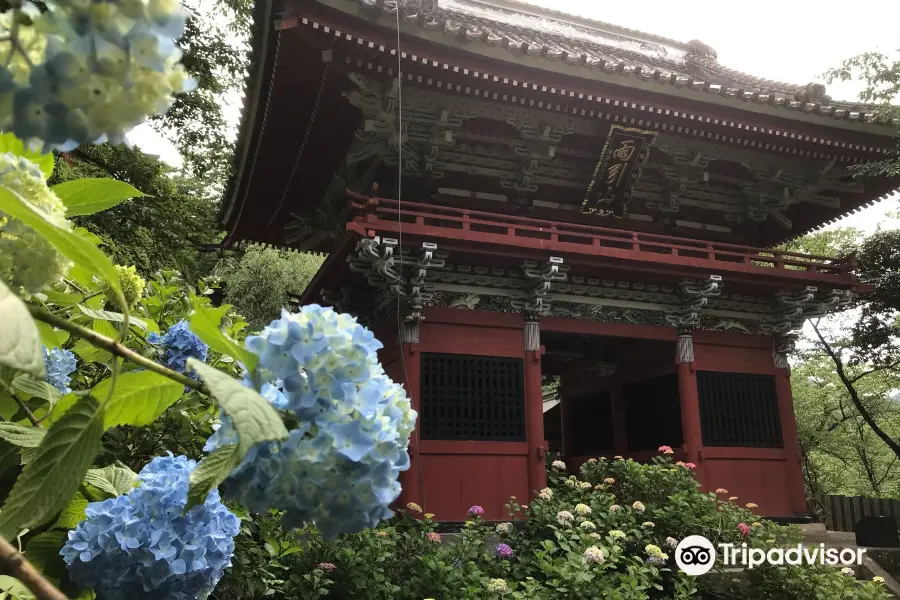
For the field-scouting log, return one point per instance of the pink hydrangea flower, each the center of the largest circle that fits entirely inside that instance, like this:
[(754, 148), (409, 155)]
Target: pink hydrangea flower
[(690, 465), (744, 529), (476, 511), (434, 537), (326, 566), (666, 450), (503, 551)]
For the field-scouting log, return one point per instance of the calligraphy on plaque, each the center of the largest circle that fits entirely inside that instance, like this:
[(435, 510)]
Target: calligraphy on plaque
[(625, 151)]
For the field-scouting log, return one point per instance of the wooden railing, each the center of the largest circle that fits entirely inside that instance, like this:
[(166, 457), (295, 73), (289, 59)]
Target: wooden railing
[(481, 226), (842, 513)]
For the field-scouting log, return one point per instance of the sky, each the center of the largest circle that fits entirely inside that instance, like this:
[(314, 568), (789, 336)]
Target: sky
[(786, 40)]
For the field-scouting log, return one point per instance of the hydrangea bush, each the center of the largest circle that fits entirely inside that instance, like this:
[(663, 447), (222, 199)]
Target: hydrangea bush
[(569, 544), (144, 541), (339, 468)]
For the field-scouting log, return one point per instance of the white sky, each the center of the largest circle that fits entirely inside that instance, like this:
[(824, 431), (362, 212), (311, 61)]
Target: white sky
[(785, 40)]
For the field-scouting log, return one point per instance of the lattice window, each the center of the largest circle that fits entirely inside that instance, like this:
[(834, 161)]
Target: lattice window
[(472, 398), (739, 410)]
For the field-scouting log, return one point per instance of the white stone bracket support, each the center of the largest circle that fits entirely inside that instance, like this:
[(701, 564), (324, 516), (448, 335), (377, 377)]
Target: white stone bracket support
[(782, 346), (684, 348)]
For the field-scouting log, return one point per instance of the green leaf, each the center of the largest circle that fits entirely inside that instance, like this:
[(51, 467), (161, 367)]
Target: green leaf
[(21, 435), (94, 239), (53, 476), (61, 298), (20, 341), (211, 471), (10, 143), (72, 514), (138, 399), (206, 325), (9, 456), (43, 552), (254, 419), (76, 248), (89, 195), (52, 338), (61, 406), (105, 315), (90, 353), (14, 589), (37, 388), (26, 455), (113, 480)]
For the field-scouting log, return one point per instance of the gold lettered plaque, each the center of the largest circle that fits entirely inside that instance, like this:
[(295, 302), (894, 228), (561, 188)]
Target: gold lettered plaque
[(625, 151)]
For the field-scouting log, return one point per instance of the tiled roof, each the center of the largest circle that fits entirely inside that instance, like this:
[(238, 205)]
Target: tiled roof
[(555, 36)]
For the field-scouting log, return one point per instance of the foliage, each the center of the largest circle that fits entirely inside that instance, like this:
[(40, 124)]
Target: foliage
[(161, 230), (634, 514), (263, 281), (880, 75)]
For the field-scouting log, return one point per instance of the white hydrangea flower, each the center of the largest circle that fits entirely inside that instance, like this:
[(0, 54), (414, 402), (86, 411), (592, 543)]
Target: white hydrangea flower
[(582, 509), (546, 493), (564, 517), (558, 465), (594, 555)]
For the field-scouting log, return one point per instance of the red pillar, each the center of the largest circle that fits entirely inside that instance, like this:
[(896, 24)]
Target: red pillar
[(690, 404), (534, 422), (796, 490), (410, 480)]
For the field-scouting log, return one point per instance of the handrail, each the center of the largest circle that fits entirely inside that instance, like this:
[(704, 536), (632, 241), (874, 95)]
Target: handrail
[(477, 221), (364, 203)]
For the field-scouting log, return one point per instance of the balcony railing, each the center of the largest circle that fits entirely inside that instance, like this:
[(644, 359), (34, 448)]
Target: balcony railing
[(463, 225)]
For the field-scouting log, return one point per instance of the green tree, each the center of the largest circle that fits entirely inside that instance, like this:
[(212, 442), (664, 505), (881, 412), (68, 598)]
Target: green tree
[(162, 230), (263, 280)]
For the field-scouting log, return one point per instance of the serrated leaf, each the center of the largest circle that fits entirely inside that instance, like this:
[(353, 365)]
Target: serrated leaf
[(20, 342), (21, 435), (106, 315), (76, 248), (254, 419), (206, 322), (90, 353), (56, 471), (72, 514), (26, 455), (43, 549), (90, 195), (36, 388), (112, 480), (52, 338), (138, 399), (210, 472), (10, 143)]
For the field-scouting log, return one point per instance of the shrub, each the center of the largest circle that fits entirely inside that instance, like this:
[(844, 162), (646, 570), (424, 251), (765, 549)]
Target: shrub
[(609, 533)]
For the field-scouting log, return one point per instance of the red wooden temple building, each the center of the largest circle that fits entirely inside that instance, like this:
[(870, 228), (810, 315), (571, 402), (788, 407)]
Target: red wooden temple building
[(542, 195)]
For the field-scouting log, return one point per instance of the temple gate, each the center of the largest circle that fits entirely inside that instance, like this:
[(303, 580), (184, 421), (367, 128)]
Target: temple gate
[(542, 195)]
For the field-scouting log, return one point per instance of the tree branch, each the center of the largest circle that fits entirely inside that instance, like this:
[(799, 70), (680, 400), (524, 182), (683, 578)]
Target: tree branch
[(34, 420), (114, 347), (14, 564), (875, 370), (854, 396)]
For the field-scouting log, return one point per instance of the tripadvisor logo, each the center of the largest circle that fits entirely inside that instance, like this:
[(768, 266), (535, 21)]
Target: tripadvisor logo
[(696, 555)]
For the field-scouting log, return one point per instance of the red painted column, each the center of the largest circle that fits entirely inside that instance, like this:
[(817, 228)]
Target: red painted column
[(690, 403), (534, 407), (620, 419), (410, 480), (794, 485)]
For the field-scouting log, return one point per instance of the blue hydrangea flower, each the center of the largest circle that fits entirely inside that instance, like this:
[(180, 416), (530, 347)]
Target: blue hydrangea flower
[(180, 344), (59, 365), (339, 468), (143, 545), (89, 71)]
